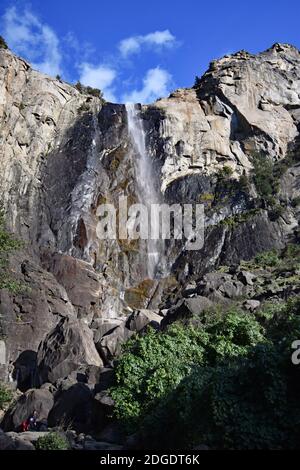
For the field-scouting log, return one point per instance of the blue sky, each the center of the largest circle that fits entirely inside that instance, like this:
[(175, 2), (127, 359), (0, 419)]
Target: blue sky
[(141, 50)]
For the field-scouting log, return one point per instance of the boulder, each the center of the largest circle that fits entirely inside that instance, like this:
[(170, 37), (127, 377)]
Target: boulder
[(101, 326), (112, 433), (186, 309), (35, 399), (101, 410), (14, 441), (111, 343), (232, 289), (246, 277), (217, 284), (73, 407), (87, 374), (251, 304), (106, 380), (67, 347), (139, 319), (28, 436), (48, 386)]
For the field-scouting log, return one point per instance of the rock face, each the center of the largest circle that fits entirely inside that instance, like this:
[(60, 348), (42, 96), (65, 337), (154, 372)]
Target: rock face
[(64, 152), (67, 347)]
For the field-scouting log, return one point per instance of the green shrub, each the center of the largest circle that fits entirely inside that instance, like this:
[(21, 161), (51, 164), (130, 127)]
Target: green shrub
[(153, 365), (87, 90), (3, 44), (295, 202), (5, 396), (8, 244), (244, 403), (276, 211), (267, 258), (225, 172), (238, 388), (263, 176), (244, 182), (291, 251), (52, 441), (148, 369)]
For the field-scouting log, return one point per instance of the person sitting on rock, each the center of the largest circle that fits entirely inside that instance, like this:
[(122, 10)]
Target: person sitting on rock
[(32, 420)]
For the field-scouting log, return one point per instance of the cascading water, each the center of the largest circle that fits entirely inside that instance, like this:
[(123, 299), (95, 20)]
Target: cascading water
[(146, 188)]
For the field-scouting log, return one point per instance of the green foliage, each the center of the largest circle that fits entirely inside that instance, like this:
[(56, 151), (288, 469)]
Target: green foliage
[(8, 244), (6, 396), (87, 90), (3, 44), (296, 202), (291, 251), (266, 177), (52, 441), (267, 258), (275, 212), (263, 175), (237, 387), (239, 218), (225, 172), (84, 108), (244, 182), (207, 197), (147, 369), (153, 365)]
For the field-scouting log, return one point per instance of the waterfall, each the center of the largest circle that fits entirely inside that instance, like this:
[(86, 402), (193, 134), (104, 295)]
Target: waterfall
[(146, 187)]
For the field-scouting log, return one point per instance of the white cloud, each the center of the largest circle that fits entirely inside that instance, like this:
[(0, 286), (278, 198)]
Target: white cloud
[(133, 44), (28, 36), (99, 76), (156, 84), (31, 38)]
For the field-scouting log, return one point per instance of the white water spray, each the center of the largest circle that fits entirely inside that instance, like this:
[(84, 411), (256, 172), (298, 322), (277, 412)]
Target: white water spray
[(146, 187)]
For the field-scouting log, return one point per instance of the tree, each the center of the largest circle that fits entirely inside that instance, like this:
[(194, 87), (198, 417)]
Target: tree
[(3, 44), (8, 244)]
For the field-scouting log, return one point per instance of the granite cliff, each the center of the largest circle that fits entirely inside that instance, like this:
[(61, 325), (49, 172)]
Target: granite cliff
[(64, 152)]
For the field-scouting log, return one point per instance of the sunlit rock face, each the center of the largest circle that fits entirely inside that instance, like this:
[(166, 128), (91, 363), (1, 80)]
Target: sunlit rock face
[(243, 103), (64, 153)]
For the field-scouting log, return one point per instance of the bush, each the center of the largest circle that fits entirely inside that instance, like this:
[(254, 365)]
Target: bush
[(8, 244), (244, 182), (6, 396), (267, 258), (147, 369), (87, 90), (263, 176), (225, 172), (276, 211), (52, 441), (3, 44), (153, 365), (295, 202), (239, 389), (244, 403)]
